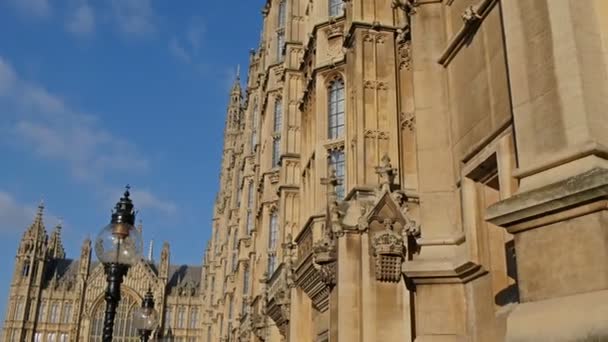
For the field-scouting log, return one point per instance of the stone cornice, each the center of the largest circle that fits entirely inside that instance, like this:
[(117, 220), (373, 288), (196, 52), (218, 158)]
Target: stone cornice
[(572, 197)]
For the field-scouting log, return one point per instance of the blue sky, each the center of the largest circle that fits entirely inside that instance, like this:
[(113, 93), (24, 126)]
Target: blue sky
[(98, 94)]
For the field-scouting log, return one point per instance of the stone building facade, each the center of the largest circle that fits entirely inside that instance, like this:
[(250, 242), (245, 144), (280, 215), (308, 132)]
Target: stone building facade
[(405, 170), (428, 170), (53, 298)]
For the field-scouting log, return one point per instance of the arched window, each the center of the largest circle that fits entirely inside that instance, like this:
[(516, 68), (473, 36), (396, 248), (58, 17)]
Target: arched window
[(54, 312), (254, 126), (273, 233), (282, 16), (278, 115), (67, 313), (181, 317), (124, 331), (335, 8), (336, 162), (193, 318), (335, 109)]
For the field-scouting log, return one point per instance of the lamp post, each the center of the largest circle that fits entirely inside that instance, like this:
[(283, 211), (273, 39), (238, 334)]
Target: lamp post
[(117, 247), (145, 319)]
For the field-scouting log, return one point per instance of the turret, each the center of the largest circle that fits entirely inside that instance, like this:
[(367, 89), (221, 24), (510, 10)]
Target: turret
[(32, 252), (55, 246)]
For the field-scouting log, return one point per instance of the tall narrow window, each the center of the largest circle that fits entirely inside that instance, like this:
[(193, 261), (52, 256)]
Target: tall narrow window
[(54, 313), (63, 337), (193, 318), (250, 194), (239, 186), (230, 308), (336, 162), (26, 268), (18, 310), (235, 250), (168, 318), (41, 312), (280, 45), (282, 14), (254, 126), (335, 109), (67, 313), (38, 337), (335, 8), (276, 151), (181, 313), (209, 334), (245, 289), (273, 233), (278, 115), (212, 289)]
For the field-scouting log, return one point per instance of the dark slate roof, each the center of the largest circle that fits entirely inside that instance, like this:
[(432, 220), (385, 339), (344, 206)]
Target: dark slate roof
[(62, 271), (184, 274)]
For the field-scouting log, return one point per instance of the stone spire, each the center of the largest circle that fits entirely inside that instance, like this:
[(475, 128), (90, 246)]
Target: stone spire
[(151, 251), (55, 247), (233, 120)]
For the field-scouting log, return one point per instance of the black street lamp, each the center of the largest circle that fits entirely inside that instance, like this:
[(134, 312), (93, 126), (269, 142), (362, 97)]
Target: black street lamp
[(145, 319), (118, 246)]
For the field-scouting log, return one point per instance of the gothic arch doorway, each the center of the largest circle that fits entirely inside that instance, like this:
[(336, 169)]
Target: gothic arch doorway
[(124, 330)]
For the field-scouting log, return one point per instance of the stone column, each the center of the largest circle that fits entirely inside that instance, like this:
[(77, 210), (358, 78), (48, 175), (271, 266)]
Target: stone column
[(557, 53), (440, 306)]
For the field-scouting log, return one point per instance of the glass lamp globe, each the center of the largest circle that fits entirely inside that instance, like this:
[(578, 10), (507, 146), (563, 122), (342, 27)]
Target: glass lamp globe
[(145, 318), (118, 243)]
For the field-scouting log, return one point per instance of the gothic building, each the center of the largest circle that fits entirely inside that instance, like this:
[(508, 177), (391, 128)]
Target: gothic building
[(53, 298), (428, 170), (394, 170)]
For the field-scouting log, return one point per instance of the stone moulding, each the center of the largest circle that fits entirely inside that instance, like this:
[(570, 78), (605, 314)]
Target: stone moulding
[(572, 197), (309, 279), (278, 305)]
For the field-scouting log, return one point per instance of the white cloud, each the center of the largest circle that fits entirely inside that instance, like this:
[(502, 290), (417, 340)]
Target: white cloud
[(144, 199), (34, 8), (187, 49), (16, 217), (82, 21), (47, 126), (134, 17), (178, 51)]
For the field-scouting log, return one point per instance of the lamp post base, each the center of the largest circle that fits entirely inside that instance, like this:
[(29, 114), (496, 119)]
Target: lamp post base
[(115, 274)]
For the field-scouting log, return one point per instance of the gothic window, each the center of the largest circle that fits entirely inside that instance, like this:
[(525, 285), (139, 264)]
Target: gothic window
[(239, 186), (216, 243), (278, 115), (235, 250), (230, 308), (41, 312), (282, 14), (335, 109), (168, 318), (54, 313), (28, 307), (38, 337), (13, 335), (335, 8), (209, 334), (212, 288), (51, 337), (250, 196), (18, 310), (63, 337), (124, 330), (280, 45), (181, 313), (193, 318), (274, 230), (336, 162), (67, 313), (273, 233), (26, 268), (246, 281), (254, 126), (276, 151)]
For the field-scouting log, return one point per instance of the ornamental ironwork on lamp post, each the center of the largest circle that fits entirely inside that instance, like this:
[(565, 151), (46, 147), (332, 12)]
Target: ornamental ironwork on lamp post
[(118, 246), (145, 319)]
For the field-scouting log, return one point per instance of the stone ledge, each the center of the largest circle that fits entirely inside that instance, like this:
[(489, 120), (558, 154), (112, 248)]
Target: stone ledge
[(561, 196), (442, 271)]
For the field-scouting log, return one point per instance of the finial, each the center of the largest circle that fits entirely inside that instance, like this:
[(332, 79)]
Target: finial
[(41, 207), (127, 191), (151, 251), (238, 71)]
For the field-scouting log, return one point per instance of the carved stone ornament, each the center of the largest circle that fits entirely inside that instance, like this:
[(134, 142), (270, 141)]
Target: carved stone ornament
[(389, 250), (324, 259)]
